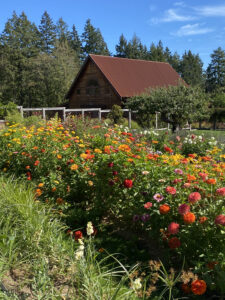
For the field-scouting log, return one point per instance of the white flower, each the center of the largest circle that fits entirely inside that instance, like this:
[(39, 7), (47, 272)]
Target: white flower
[(79, 254), (90, 229), (145, 172), (137, 284)]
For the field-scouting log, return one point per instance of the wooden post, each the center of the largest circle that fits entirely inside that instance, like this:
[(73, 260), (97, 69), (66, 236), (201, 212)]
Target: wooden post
[(43, 114), (82, 112), (64, 114), (21, 111), (129, 119), (99, 115), (156, 120)]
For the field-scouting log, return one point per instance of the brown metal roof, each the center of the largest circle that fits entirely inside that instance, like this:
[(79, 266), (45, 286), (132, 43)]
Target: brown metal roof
[(130, 77)]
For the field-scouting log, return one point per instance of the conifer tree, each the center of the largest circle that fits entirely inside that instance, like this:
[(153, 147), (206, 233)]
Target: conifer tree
[(121, 47), (93, 42), (47, 31)]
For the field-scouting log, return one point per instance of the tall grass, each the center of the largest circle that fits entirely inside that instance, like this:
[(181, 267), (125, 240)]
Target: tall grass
[(37, 258)]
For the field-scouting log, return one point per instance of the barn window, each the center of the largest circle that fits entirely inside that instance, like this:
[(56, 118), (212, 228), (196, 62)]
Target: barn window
[(92, 88)]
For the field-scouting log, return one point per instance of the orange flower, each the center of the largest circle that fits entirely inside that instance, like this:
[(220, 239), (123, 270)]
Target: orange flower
[(59, 201), (27, 167), (191, 177), (211, 265), (59, 156), (198, 287), (74, 167), (211, 181), (36, 163), (164, 209), (202, 219), (189, 218), (53, 189), (38, 192), (41, 185)]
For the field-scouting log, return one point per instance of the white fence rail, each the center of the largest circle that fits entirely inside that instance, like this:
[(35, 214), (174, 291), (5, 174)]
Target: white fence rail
[(100, 111)]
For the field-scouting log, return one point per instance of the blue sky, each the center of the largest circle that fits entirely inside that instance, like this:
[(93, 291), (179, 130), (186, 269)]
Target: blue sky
[(181, 25)]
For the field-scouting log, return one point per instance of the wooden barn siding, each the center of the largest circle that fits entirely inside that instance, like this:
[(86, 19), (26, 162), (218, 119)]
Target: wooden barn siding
[(104, 100)]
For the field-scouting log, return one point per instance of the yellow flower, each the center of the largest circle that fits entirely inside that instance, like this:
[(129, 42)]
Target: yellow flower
[(97, 151), (81, 145), (90, 183), (59, 156)]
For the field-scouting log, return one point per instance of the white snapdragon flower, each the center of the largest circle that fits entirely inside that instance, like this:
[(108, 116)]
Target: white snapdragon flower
[(90, 228), (137, 284)]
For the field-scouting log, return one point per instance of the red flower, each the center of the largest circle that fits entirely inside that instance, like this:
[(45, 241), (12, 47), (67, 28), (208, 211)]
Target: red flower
[(194, 197), (171, 190), (110, 165), (78, 235), (128, 183), (202, 219), (185, 288), (173, 228), (36, 163), (221, 191), (168, 149), (174, 243), (198, 287)]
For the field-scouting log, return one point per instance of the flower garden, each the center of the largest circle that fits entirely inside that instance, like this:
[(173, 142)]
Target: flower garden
[(162, 196)]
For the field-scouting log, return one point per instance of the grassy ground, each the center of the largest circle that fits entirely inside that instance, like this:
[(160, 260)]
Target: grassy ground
[(37, 258)]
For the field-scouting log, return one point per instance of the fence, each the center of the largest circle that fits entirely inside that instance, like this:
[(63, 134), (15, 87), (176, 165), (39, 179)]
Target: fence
[(99, 111)]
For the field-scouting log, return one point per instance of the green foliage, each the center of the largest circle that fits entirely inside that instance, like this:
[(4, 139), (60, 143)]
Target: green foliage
[(116, 114), (216, 70), (176, 105), (47, 31), (6, 110), (93, 40), (191, 69)]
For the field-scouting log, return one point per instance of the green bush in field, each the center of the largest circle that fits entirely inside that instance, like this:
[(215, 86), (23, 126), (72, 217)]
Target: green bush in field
[(116, 114)]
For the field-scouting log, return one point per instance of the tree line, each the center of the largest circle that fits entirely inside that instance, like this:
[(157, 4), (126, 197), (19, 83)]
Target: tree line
[(39, 62)]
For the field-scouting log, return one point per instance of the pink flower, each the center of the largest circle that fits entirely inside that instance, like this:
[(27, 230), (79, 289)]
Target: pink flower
[(158, 197), (183, 209), (177, 180), (220, 220), (204, 176), (194, 197), (148, 205), (178, 171), (186, 185), (171, 190), (173, 228), (221, 191)]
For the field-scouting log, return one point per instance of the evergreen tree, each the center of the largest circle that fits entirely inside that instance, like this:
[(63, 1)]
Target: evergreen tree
[(93, 40), (191, 68), (216, 70), (121, 47), (172, 59), (75, 43), (156, 53), (20, 33), (47, 33), (62, 32)]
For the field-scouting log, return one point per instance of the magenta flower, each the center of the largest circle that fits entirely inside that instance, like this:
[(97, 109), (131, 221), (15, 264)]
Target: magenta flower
[(183, 209), (158, 197), (145, 217), (178, 171)]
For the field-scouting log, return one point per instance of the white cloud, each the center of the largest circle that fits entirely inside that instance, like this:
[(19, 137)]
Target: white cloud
[(188, 30), (211, 11), (179, 3), (170, 16)]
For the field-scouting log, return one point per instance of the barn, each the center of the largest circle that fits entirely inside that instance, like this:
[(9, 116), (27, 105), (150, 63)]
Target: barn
[(104, 80)]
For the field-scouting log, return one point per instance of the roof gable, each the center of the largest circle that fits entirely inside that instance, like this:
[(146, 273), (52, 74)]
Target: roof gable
[(130, 77)]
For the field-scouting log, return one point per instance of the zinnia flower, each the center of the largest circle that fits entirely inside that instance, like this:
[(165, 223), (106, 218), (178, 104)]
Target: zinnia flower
[(183, 209), (145, 217), (128, 183), (74, 167), (220, 220), (148, 205), (178, 171), (173, 228), (174, 243), (198, 287), (194, 197), (221, 191), (171, 190), (164, 209), (158, 197), (202, 219), (189, 218), (185, 288)]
